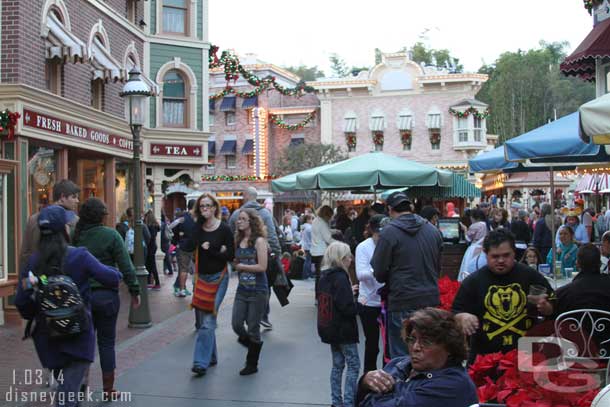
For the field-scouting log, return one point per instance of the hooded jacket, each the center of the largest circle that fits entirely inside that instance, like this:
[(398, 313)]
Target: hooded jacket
[(336, 308), (264, 213), (407, 259)]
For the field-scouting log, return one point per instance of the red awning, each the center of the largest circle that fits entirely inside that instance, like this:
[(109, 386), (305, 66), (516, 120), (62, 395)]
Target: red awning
[(582, 61)]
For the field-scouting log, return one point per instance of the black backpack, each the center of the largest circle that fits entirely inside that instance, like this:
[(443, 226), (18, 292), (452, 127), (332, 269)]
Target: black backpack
[(61, 306)]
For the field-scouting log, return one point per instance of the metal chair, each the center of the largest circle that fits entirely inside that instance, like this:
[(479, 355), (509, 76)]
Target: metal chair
[(589, 331)]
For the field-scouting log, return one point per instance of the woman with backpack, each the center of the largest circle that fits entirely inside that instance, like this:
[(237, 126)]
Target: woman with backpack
[(337, 325), (251, 251), (66, 345), (106, 245)]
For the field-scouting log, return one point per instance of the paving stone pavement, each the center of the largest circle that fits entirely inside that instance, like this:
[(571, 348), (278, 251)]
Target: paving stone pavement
[(153, 365)]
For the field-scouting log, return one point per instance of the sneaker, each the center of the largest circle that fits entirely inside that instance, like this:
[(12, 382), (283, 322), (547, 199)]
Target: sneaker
[(186, 292), (199, 371), (176, 291), (156, 287), (266, 324), (182, 293)]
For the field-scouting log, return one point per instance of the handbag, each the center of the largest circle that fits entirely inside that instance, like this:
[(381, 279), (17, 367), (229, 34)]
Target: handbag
[(204, 294)]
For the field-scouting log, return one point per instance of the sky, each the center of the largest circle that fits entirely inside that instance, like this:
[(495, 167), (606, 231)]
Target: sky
[(289, 33)]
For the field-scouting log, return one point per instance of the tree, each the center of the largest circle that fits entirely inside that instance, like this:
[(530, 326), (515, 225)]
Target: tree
[(338, 66), (440, 58), (305, 156), (378, 56), (526, 90), (306, 73)]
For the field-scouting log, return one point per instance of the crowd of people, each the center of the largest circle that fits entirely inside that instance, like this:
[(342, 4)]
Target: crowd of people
[(380, 266)]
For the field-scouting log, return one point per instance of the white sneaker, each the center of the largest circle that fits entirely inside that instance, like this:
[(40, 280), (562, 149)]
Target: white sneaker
[(182, 293)]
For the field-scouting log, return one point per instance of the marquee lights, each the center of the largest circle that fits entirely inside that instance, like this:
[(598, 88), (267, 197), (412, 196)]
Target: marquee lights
[(259, 133)]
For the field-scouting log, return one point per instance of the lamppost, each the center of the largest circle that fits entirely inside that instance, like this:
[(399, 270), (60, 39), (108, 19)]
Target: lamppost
[(137, 94)]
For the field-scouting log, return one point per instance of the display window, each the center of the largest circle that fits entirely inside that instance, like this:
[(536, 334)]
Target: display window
[(42, 169)]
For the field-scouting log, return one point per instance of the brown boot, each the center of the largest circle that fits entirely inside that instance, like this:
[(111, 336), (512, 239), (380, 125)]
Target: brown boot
[(108, 393)]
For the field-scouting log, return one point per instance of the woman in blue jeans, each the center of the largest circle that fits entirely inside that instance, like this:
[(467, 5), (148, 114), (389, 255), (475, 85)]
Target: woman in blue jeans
[(337, 322), (214, 250)]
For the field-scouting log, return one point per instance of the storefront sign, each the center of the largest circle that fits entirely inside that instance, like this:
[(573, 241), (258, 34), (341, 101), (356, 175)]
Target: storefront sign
[(176, 150), (66, 128)]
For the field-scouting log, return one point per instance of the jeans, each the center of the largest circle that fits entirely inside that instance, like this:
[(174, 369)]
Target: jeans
[(397, 345), (267, 307), (317, 262), (205, 345), (370, 326), (307, 265), (249, 307), (69, 383), (342, 354), (105, 306)]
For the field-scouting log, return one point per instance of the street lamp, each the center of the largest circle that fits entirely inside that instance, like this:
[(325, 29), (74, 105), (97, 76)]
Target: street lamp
[(137, 94)]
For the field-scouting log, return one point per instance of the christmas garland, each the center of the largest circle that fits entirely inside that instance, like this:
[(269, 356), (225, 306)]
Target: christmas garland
[(8, 121), (378, 138), (468, 112), (405, 137), (233, 69), (350, 140), (282, 124), (435, 138), (589, 4), (237, 178)]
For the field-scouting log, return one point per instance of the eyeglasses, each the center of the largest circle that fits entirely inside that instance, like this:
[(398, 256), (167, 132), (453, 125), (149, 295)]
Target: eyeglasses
[(207, 206), (424, 343)]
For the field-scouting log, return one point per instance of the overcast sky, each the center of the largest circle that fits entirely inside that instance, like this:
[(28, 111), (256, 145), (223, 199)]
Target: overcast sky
[(288, 32)]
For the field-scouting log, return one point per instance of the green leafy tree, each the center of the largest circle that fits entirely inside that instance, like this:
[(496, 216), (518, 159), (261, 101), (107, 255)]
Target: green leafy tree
[(441, 58), (526, 90), (338, 66), (378, 56), (305, 156), (306, 73)]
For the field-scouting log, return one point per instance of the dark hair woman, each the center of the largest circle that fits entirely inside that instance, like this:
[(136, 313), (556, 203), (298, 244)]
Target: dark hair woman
[(106, 245), (215, 248), (437, 348), (251, 297), (71, 356), (151, 249)]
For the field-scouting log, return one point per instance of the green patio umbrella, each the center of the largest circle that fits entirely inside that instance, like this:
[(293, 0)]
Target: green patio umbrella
[(288, 183), (373, 171)]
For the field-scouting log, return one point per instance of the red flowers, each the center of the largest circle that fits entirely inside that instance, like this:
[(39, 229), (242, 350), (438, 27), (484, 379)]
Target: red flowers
[(499, 379), (448, 289)]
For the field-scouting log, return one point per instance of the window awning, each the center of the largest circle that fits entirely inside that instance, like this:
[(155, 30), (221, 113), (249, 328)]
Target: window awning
[(296, 141), (212, 103), (211, 147), (434, 121), (377, 124), (104, 65), (248, 147), (350, 125), (249, 103), (405, 123), (229, 147), (228, 104), (62, 43), (582, 61)]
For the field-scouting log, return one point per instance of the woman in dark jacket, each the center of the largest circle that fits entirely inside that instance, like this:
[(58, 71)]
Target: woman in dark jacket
[(151, 252), (521, 230), (107, 246), (543, 236), (337, 325), (72, 355)]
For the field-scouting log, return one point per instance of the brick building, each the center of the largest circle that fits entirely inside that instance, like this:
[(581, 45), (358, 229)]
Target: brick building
[(63, 64)]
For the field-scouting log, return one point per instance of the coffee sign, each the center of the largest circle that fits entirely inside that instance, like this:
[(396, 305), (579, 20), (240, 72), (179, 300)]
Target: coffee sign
[(59, 126), (175, 150)]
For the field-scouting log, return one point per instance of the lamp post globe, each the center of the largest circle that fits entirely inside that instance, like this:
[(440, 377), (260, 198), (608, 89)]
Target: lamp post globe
[(136, 93)]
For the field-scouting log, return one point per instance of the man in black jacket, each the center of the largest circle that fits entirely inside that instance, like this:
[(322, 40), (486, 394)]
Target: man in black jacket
[(407, 259)]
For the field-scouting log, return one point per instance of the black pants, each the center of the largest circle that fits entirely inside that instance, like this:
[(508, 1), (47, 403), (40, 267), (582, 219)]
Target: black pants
[(370, 326), (151, 266), (317, 262)]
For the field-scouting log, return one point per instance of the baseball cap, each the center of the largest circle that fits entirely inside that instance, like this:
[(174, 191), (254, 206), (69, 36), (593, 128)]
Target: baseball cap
[(54, 218), (378, 207), (377, 222), (397, 198)]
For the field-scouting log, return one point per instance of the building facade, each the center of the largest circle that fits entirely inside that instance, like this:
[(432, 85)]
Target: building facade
[(63, 64), (399, 107)]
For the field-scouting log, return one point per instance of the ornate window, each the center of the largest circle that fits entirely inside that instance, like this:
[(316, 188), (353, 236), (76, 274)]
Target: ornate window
[(434, 123), (175, 101), (175, 16), (350, 126)]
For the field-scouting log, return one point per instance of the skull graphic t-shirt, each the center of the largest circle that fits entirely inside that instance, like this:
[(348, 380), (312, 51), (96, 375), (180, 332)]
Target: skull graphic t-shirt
[(500, 303)]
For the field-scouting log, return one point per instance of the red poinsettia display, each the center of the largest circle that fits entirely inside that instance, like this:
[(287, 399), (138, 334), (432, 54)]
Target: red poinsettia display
[(350, 139), (378, 138), (448, 288), (405, 137), (499, 380)]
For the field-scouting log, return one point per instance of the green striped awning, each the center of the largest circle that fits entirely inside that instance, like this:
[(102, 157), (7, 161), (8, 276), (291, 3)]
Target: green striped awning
[(460, 188)]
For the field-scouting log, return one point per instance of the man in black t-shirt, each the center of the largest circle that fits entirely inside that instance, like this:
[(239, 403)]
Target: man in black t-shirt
[(491, 303)]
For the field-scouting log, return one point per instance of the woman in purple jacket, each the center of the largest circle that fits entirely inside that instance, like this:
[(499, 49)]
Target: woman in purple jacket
[(68, 357)]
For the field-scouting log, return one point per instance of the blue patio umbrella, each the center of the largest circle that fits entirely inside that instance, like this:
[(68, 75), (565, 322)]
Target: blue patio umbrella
[(491, 161)]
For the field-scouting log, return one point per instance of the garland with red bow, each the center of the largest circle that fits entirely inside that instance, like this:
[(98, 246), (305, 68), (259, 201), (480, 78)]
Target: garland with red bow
[(405, 137), (237, 178), (378, 138), (590, 4), (282, 124), (350, 140), (499, 380), (8, 122), (435, 138), (470, 111)]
